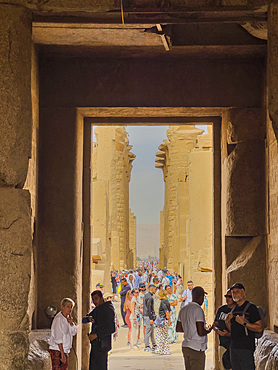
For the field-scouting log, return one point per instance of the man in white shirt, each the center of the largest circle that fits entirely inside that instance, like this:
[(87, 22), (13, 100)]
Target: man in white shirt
[(191, 322), (165, 281), (186, 296)]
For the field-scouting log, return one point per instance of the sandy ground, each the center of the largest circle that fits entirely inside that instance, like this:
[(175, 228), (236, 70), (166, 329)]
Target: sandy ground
[(124, 358)]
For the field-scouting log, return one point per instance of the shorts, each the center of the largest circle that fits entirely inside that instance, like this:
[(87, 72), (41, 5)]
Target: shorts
[(141, 319)]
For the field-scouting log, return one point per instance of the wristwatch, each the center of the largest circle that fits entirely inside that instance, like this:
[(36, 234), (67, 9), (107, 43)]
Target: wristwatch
[(245, 323)]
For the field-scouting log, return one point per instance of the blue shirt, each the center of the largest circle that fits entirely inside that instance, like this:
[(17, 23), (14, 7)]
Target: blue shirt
[(138, 280)]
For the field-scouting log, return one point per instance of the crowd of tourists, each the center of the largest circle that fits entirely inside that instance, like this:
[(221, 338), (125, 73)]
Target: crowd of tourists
[(149, 298)]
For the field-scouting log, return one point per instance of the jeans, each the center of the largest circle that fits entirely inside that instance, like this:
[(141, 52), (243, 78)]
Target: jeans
[(149, 333), (98, 357)]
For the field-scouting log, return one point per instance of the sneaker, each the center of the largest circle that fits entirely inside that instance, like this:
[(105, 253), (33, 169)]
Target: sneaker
[(128, 343), (138, 342), (135, 347), (125, 326), (148, 349), (155, 352)]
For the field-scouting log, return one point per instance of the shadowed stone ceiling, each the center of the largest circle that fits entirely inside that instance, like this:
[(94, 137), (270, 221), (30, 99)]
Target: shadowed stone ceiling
[(134, 40)]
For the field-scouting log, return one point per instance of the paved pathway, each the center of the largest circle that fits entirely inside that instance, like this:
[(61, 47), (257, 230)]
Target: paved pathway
[(123, 358)]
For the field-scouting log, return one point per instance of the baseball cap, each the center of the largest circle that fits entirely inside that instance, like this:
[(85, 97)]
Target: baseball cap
[(107, 295), (99, 285), (237, 286), (199, 290), (142, 285)]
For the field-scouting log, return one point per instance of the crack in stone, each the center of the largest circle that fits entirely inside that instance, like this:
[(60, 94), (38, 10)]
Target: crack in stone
[(17, 254), (10, 48), (11, 224)]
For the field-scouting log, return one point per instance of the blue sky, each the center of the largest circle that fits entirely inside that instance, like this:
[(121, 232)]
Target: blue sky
[(146, 190)]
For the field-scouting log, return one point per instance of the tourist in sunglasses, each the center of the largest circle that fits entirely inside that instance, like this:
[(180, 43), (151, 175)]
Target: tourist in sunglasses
[(221, 328)]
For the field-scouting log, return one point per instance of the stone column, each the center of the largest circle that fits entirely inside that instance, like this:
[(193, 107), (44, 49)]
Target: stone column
[(15, 207), (272, 66), (244, 175), (173, 159), (60, 226), (272, 161)]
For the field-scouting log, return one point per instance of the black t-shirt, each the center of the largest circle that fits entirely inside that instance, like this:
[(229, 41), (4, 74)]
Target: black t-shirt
[(163, 308), (239, 337), (220, 317)]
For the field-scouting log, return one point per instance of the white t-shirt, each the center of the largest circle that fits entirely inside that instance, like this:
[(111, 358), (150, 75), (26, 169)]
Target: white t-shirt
[(188, 294), (61, 332), (188, 316), (165, 282)]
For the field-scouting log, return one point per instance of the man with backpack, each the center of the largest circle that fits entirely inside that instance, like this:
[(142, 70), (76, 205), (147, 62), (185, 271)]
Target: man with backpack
[(243, 322)]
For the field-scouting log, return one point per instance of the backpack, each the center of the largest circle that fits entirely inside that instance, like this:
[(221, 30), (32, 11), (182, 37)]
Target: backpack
[(262, 315)]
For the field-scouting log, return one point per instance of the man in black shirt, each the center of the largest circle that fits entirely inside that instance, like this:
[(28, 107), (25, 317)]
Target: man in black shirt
[(221, 328), (103, 326), (149, 317), (243, 328)]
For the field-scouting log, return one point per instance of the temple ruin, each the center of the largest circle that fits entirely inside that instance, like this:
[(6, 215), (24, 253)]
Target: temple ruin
[(113, 225), (68, 65), (186, 159)]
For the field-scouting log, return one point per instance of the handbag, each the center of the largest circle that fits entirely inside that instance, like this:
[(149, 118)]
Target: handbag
[(159, 322)]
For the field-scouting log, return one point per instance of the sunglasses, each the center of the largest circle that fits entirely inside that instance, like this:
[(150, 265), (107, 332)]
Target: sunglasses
[(228, 296)]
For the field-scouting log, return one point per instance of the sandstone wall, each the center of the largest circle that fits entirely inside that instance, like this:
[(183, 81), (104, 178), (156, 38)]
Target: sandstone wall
[(15, 202), (132, 239), (272, 167), (272, 241), (175, 165), (244, 229), (111, 215), (31, 183), (200, 233), (89, 82), (60, 227)]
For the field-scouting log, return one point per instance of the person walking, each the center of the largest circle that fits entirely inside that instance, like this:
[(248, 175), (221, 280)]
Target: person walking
[(142, 291), (134, 318), (124, 289), (149, 317), (114, 285), (62, 330), (220, 327), (243, 322), (191, 322), (127, 310), (161, 336), (173, 300)]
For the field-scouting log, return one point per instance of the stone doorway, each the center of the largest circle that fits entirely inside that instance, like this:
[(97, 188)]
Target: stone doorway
[(223, 81)]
